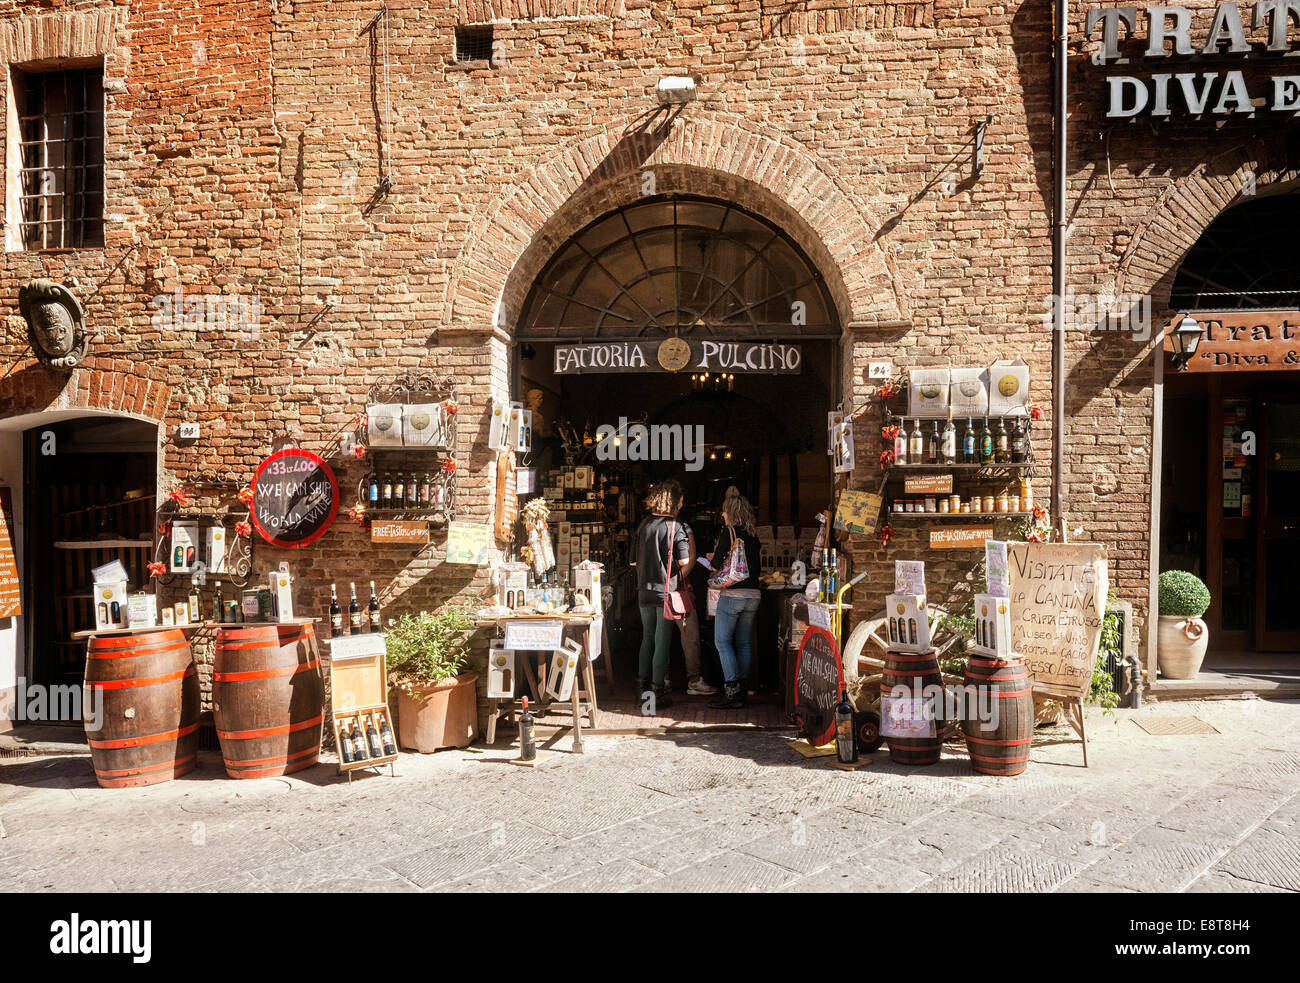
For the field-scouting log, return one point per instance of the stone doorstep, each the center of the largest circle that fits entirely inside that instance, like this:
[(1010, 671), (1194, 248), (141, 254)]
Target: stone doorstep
[(1212, 685), (42, 740)]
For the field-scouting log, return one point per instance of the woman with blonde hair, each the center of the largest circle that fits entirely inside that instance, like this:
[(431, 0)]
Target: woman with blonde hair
[(663, 561), (738, 606)]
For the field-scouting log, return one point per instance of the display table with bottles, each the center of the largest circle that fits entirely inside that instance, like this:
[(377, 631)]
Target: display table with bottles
[(532, 663)]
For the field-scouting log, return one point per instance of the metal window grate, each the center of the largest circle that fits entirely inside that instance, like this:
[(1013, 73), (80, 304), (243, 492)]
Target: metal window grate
[(474, 43), (61, 151)]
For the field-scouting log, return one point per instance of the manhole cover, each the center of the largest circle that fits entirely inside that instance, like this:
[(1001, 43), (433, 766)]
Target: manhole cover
[(1164, 726)]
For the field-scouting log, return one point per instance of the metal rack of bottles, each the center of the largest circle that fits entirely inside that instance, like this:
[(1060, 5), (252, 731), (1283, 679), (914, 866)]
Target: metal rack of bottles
[(413, 481), (1007, 457)]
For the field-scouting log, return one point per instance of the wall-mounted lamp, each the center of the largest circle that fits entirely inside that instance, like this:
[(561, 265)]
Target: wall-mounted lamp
[(1187, 338)]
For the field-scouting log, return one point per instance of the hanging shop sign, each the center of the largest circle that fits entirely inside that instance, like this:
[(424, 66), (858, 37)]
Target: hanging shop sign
[(399, 531), (1212, 85), (1235, 341), (295, 498), (10, 594), (928, 484), (959, 537), (1058, 601), (857, 512), (468, 543), (678, 355), (818, 675)]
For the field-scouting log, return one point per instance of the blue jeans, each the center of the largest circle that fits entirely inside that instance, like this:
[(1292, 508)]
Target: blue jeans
[(732, 628), (656, 643)]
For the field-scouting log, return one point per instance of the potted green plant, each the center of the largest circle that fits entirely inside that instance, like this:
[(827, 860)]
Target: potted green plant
[(430, 665), (1183, 636)]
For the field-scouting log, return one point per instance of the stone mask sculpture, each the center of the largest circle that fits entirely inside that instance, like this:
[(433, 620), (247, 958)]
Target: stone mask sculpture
[(55, 324)]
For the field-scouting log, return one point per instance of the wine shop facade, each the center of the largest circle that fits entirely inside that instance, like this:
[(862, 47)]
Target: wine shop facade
[(296, 209)]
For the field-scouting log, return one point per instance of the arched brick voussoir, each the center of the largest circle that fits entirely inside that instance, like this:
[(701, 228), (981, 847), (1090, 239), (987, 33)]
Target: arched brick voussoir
[(704, 153), (1186, 209), (105, 385)]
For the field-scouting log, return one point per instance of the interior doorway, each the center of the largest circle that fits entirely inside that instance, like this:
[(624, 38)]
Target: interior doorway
[(704, 275), (89, 498)]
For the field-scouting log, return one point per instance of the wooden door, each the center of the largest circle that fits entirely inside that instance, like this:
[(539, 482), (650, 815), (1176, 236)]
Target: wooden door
[(1277, 611)]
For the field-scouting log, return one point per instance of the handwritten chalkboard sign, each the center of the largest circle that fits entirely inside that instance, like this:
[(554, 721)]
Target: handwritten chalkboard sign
[(295, 498), (818, 676)]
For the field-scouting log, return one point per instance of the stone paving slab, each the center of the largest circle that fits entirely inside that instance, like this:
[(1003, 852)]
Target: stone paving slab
[(701, 812)]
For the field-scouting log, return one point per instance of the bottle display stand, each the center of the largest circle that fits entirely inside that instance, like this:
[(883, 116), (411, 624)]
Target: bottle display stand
[(359, 694)]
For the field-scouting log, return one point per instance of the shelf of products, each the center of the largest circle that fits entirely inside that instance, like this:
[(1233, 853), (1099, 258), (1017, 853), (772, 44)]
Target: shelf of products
[(959, 515)]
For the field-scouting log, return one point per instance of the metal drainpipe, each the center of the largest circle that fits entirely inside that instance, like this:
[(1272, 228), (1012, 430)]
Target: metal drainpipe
[(1060, 38)]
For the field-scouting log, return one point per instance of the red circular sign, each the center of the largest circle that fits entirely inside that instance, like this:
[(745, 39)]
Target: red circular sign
[(295, 498), (818, 678)]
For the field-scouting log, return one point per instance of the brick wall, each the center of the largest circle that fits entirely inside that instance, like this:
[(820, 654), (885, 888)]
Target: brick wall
[(247, 144)]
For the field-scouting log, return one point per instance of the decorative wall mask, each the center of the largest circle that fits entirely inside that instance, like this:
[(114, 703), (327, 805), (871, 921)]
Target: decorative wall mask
[(56, 324)]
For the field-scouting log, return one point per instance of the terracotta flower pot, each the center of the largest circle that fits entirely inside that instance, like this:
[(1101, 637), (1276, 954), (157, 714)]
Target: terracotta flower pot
[(440, 715), (1181, 645)]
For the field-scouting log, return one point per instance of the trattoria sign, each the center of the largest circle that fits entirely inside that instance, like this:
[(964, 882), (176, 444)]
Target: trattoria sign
[(678, 355), (1149, 46), (1244, 341)]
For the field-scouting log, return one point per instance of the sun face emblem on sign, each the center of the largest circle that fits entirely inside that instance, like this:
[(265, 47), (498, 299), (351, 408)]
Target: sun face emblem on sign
[(1002, 609), (984, 610), (383, 422), (674, 354), (419, 421), (969, 388), (901, 609), (1008, 385), (930, 392)]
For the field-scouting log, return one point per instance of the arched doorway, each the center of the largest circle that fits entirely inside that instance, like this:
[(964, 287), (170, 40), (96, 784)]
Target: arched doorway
[(87, 498), (1230, 497), (707, 324)]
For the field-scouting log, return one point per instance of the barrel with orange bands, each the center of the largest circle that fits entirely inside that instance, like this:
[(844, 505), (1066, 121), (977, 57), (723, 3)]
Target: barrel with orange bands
[(899, 680), (1000, 746), (145, 693), (267, 699)]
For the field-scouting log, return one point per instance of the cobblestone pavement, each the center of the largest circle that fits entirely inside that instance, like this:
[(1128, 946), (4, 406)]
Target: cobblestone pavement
[(705, 812)]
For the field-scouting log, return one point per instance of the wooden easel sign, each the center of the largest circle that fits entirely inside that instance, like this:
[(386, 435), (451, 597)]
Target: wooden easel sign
[(1058, 602)]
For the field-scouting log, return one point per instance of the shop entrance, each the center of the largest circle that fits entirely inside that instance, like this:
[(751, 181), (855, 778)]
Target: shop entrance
[(1231, 473), (685, 338), (89, 487)]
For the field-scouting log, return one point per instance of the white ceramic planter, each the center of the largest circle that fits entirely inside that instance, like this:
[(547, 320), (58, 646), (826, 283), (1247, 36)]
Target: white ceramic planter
[(1181, 644)]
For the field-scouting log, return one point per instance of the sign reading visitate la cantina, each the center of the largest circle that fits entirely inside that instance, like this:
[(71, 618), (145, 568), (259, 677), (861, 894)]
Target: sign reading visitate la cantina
[(1234, 341)]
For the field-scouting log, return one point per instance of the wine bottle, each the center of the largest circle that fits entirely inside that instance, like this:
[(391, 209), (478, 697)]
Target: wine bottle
[(426, 490), (336, 614), (386, 736), (412, 490), (372, 738), (834, 583), (194, 605), (527, 735), (968, 445), (218, 605), (900, 444), (948, 446), (386, 492), (986, 444), (345, 746), (846, 746), (915, 444), (354, 613), (372, 490), (399, 491), (1003, 454), (358, 743), (932, 445), (373, 609), (1019, 443)]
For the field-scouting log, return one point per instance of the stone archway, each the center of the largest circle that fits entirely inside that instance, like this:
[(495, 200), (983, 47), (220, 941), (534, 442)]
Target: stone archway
[(1185, 210), (701, 153)]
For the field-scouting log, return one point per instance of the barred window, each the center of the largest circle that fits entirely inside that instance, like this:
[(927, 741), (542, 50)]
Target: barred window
[(474, 43), (60, 158)]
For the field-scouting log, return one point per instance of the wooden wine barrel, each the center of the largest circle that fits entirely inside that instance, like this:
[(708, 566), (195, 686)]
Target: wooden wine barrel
[(1000, 747), (900, 675), (145, 691), (267, 699)]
